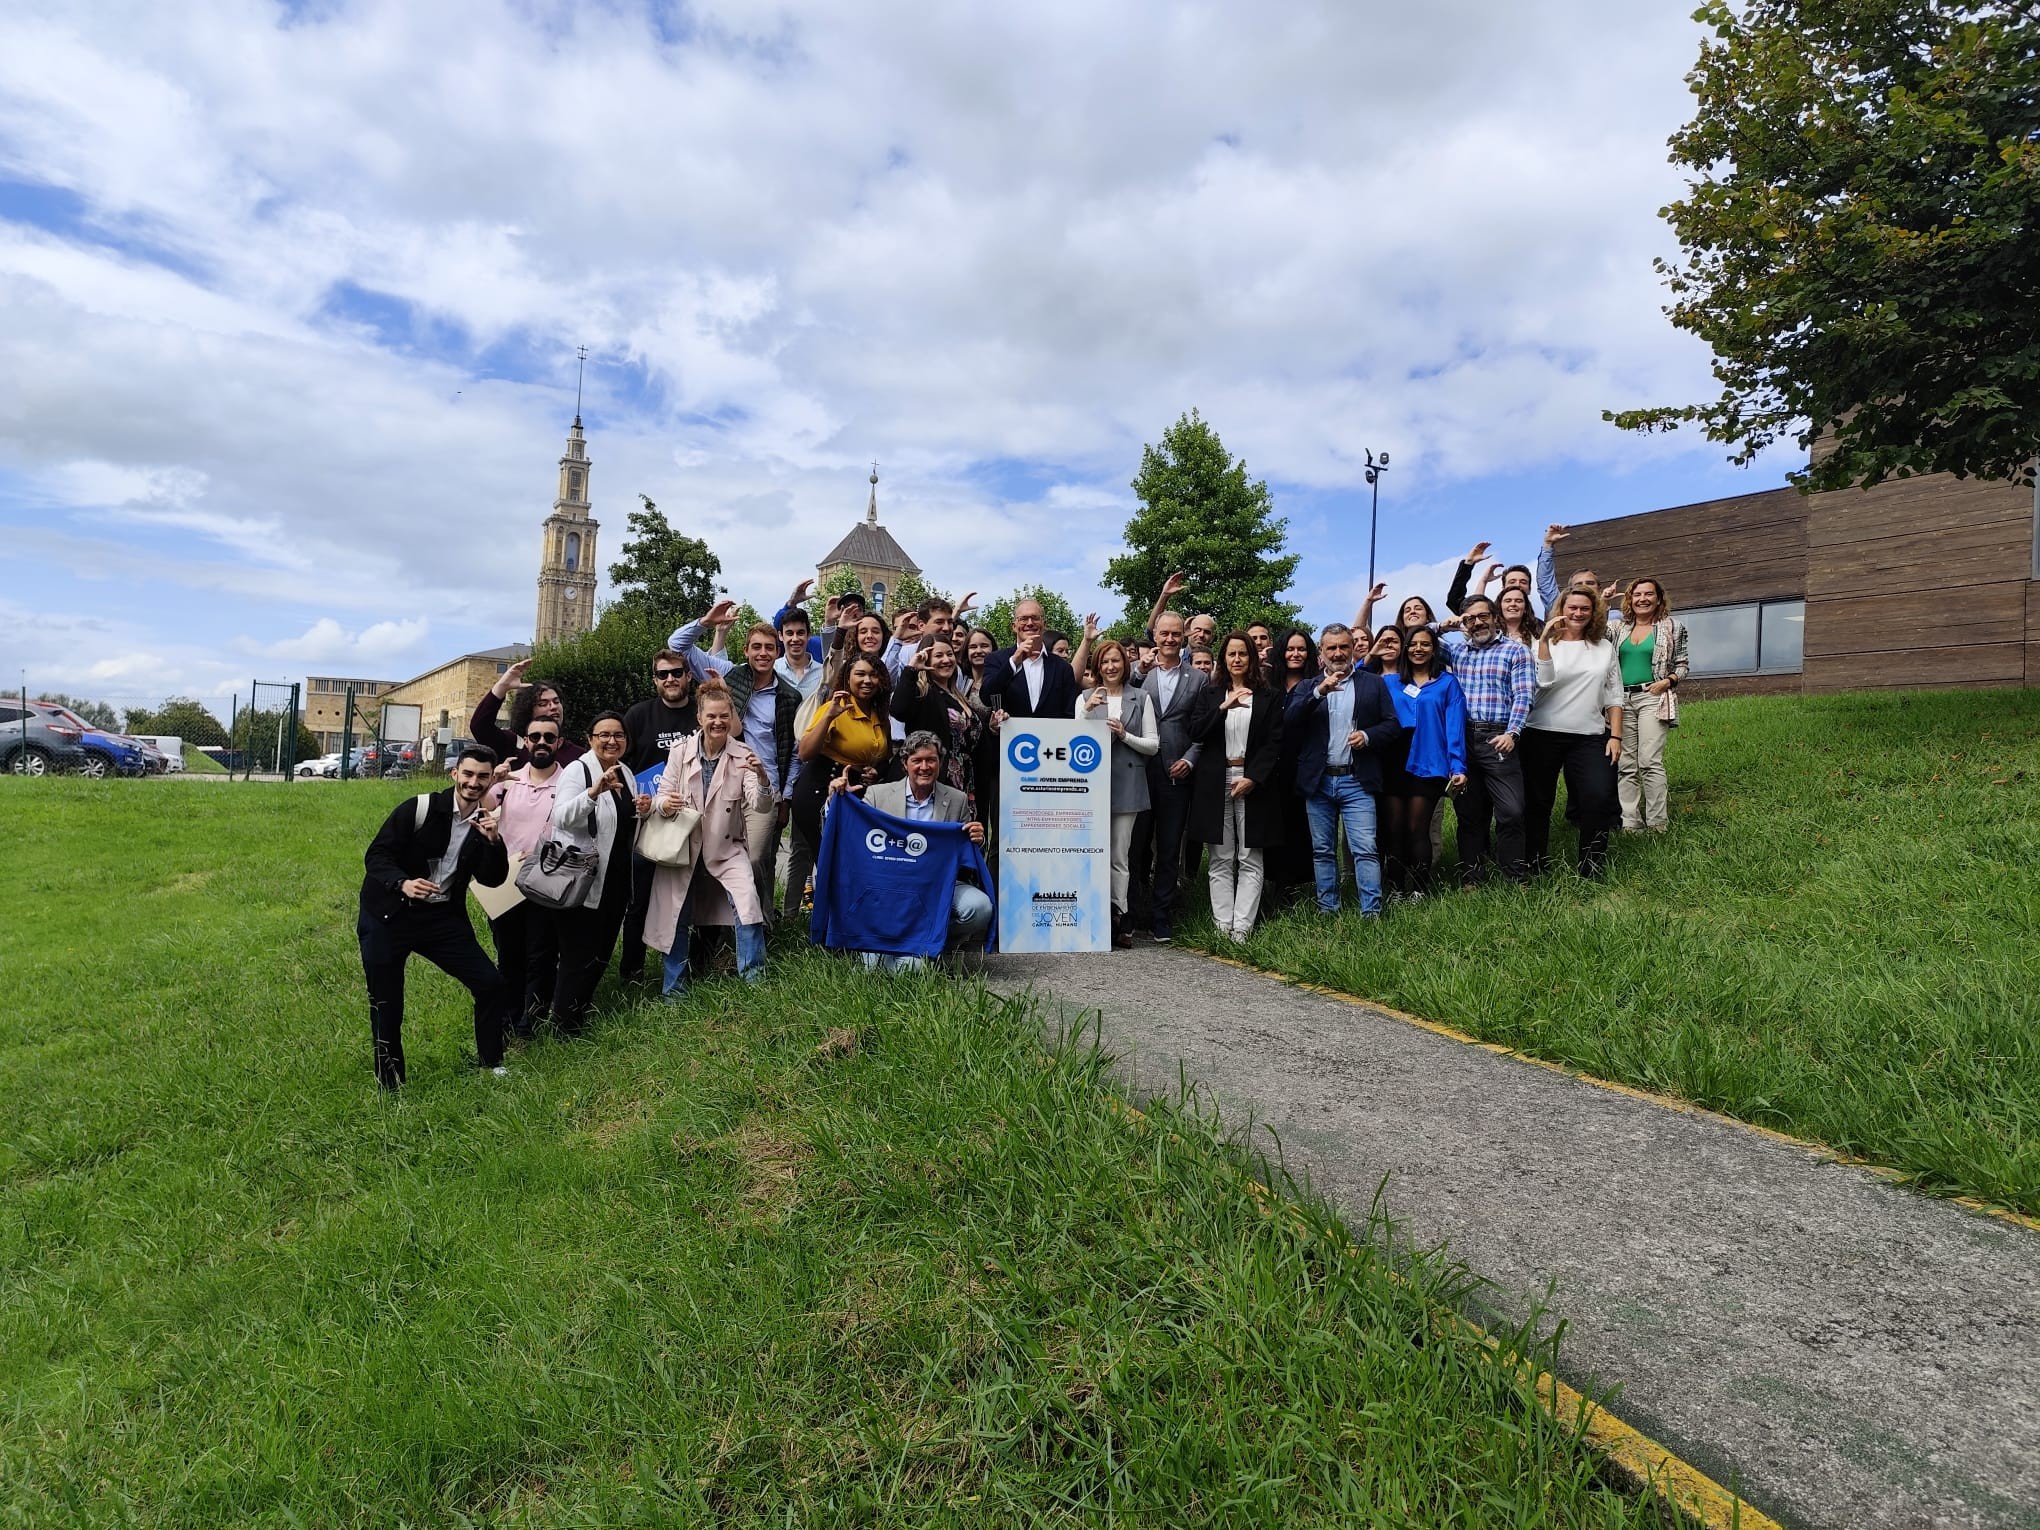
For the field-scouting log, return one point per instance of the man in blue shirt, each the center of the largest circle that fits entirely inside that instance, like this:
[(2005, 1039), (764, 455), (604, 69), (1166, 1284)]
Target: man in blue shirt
[(1341, 724), (1499, 679)]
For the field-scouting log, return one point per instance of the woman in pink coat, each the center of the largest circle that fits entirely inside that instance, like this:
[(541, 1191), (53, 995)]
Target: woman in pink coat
[(721, 778)]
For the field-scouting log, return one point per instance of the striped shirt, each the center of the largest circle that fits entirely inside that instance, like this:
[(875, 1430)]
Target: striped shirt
[(1499, 680)]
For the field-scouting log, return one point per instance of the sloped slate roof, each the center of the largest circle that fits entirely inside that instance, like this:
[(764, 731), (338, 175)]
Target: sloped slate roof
[(870, 545)]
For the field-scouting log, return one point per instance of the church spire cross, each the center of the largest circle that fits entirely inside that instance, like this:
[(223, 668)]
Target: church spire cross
[(871, 510), (580, 371)]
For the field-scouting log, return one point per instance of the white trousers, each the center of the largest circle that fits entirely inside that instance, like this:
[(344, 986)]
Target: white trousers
[(1122, 857), (1641, 784), (1236, 871)]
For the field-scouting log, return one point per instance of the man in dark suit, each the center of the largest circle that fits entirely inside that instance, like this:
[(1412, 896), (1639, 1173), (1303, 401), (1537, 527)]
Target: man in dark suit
[(413, 901), (1341, 723), (1172, 687), (1027, 680)]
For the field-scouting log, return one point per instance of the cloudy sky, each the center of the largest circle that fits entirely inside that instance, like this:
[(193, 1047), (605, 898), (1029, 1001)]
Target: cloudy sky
[(293, 293)]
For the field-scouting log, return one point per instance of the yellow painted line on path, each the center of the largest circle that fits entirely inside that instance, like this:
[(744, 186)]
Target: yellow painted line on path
[(1637, 1463), (1684, 1107)]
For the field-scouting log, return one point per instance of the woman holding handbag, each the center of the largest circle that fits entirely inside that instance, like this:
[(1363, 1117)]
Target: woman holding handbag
[(596, 799), (1652, 647), (718, 777)]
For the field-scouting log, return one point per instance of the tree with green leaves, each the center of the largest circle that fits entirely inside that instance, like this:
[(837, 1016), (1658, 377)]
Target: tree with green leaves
[(997, 618), (747, 617), (842, 581), (97, 713), (183, 717), (1859, 237), (609, 667), (662, 573), (1201, 516)]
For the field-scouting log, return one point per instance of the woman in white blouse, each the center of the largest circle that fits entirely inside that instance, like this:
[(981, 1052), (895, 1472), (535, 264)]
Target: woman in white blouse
[(1575, 728), (1125, 711)]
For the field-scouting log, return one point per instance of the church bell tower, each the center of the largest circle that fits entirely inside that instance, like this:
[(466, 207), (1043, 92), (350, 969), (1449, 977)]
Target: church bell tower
[(566, 570)]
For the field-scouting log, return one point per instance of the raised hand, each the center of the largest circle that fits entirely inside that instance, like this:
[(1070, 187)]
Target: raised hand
[(1091, 626), (1487, 575), (1173, 586), (1376, 593), (968, 603), (721, 614), (1554, 534), (1478, 552), (800, 592)]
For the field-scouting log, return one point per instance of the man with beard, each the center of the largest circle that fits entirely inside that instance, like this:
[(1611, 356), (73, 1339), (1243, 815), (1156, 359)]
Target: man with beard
[(413, 901), (653, 727), (527, 936)]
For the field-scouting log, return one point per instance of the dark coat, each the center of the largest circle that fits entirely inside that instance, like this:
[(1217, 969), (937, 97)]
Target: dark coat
[(402, 849), (1263, 768), (1373, 714), (1003, 680)]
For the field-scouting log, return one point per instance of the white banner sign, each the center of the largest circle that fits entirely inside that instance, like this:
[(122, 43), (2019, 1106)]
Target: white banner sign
[(1055, 835)]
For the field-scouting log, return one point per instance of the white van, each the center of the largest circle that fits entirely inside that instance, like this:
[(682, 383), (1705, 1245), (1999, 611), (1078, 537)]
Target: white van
[(172, 749)]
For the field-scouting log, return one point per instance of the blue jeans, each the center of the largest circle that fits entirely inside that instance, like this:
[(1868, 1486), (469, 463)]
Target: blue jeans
[(970, 919), (750, 956), (1341, 799)]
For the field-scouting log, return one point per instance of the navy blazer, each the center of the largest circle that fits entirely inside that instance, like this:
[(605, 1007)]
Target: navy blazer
[(1306, 727), (1003, 679)]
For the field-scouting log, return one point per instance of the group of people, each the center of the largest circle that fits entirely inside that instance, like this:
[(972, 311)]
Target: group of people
[(1256, 750)]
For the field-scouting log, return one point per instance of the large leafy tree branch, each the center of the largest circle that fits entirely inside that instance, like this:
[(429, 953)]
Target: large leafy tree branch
[(1861, 244)]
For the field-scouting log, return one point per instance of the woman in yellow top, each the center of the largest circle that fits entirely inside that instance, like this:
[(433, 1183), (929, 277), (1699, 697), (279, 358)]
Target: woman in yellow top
[(851, 735)]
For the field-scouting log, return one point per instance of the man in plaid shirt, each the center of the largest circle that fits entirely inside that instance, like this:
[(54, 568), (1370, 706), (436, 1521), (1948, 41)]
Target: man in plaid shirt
[(1499, 679)]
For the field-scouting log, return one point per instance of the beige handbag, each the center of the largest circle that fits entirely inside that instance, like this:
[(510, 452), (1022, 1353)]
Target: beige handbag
[(669, 841)]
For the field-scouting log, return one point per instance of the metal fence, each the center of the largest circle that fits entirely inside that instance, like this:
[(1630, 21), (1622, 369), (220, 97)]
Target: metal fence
[(265, 732)]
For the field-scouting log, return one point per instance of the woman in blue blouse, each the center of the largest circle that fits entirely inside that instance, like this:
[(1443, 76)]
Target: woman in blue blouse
[(1432, 710)]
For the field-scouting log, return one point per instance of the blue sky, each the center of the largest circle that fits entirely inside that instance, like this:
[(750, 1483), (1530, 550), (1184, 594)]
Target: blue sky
[(294, 294)]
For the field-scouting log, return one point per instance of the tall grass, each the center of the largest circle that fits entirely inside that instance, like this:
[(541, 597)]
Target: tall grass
[(833, 1249), (1838, 938)]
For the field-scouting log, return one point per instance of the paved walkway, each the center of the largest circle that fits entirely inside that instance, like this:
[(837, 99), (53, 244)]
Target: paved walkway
[(1843, 1351)]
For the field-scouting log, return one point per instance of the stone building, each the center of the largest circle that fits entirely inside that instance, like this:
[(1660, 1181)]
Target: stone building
[(870, 552), (325, 707), (446, 696), (566, 569)]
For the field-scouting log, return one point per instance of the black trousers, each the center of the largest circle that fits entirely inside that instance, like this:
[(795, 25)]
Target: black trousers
[(1171, 813), (1582, 758), (1405, 813), (440, 933), (527, 941), (631, 965), (588, 937), (1140, 873), (1494, 790)]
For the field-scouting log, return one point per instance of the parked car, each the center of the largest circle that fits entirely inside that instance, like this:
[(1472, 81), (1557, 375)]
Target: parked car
[(169, 746), (153, 758), (325, 767), (33, 743), (106, 753)]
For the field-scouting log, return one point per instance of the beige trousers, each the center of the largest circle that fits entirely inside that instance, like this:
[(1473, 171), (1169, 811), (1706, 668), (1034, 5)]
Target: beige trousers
[(1236, 871), (1641, 783)]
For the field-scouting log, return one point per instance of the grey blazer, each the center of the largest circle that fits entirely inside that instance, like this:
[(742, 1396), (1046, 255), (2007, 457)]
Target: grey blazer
[(1129, 768), (1172, 722), (951, 806)]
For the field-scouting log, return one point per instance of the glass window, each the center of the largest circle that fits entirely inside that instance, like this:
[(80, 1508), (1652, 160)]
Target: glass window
[(1722, 640), (573, 551), (878, 596), (10, 714), (1783, 649)]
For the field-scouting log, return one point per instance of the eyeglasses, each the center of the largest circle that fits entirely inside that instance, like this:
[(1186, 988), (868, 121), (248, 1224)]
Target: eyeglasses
[(668, 674), (542, 738), (609, 735)]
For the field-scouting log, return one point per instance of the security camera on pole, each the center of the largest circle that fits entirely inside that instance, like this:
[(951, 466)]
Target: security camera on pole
[(1374, 472)]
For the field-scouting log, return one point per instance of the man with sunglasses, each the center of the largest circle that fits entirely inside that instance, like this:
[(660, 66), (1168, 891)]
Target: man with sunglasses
[(653, 727), (527, 936)]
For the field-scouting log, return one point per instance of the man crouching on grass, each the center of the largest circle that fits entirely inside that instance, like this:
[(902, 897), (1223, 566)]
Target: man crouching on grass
[(413, 900)]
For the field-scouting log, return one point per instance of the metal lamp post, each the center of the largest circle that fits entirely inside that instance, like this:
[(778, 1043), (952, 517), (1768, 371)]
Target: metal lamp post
[(1374, 472)]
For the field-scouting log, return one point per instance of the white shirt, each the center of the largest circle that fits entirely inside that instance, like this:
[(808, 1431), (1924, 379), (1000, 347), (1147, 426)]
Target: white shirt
[(442, 870), (1237, 721), (1575, 688), (1166, 677), (1030, 671)]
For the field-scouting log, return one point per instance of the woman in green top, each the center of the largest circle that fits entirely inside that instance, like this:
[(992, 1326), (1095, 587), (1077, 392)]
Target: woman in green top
[(1651, 646)]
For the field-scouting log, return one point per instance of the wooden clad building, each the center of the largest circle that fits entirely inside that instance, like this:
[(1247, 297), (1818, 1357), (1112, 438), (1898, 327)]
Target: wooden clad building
[(1918, 582)]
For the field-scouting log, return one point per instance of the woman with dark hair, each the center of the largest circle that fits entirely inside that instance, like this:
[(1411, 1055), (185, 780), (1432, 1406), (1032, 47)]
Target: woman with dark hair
[(1432, 711), (1651, 645), (1518, 616), (1238, 720), (979, 646), (1575, 728), (1291, 866), (930, 699), (535, 699), (596, 801), (1385, 652), (850, 736)]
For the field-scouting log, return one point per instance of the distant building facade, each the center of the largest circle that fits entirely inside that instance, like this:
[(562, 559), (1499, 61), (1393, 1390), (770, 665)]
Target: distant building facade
[(325, 707), (446, 696), (869, 552), (566, 567), (1929, 581)]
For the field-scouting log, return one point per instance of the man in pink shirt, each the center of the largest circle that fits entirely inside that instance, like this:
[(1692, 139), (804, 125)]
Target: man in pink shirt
[(527, 936)]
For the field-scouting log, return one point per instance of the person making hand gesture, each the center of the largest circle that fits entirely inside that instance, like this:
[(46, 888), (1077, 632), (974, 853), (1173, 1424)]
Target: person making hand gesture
[(1239, 724)]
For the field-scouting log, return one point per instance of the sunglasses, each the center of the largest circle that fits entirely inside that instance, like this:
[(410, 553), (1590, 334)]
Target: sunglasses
[(668, 674), (542, 738)]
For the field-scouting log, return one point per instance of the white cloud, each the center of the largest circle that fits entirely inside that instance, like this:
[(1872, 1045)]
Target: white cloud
[(957, 240)]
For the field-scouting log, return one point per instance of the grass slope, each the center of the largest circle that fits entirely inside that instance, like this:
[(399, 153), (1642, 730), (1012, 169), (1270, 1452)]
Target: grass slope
[(199, 763), (835, 1249), (1839, 938)]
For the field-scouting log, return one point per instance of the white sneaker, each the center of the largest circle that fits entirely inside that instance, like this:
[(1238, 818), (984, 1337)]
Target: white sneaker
[(500, 1071)]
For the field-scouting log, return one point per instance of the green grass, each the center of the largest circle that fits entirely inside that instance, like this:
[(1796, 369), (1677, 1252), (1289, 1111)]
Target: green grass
[(1838, 938), (199, 763), (834, 1249)]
